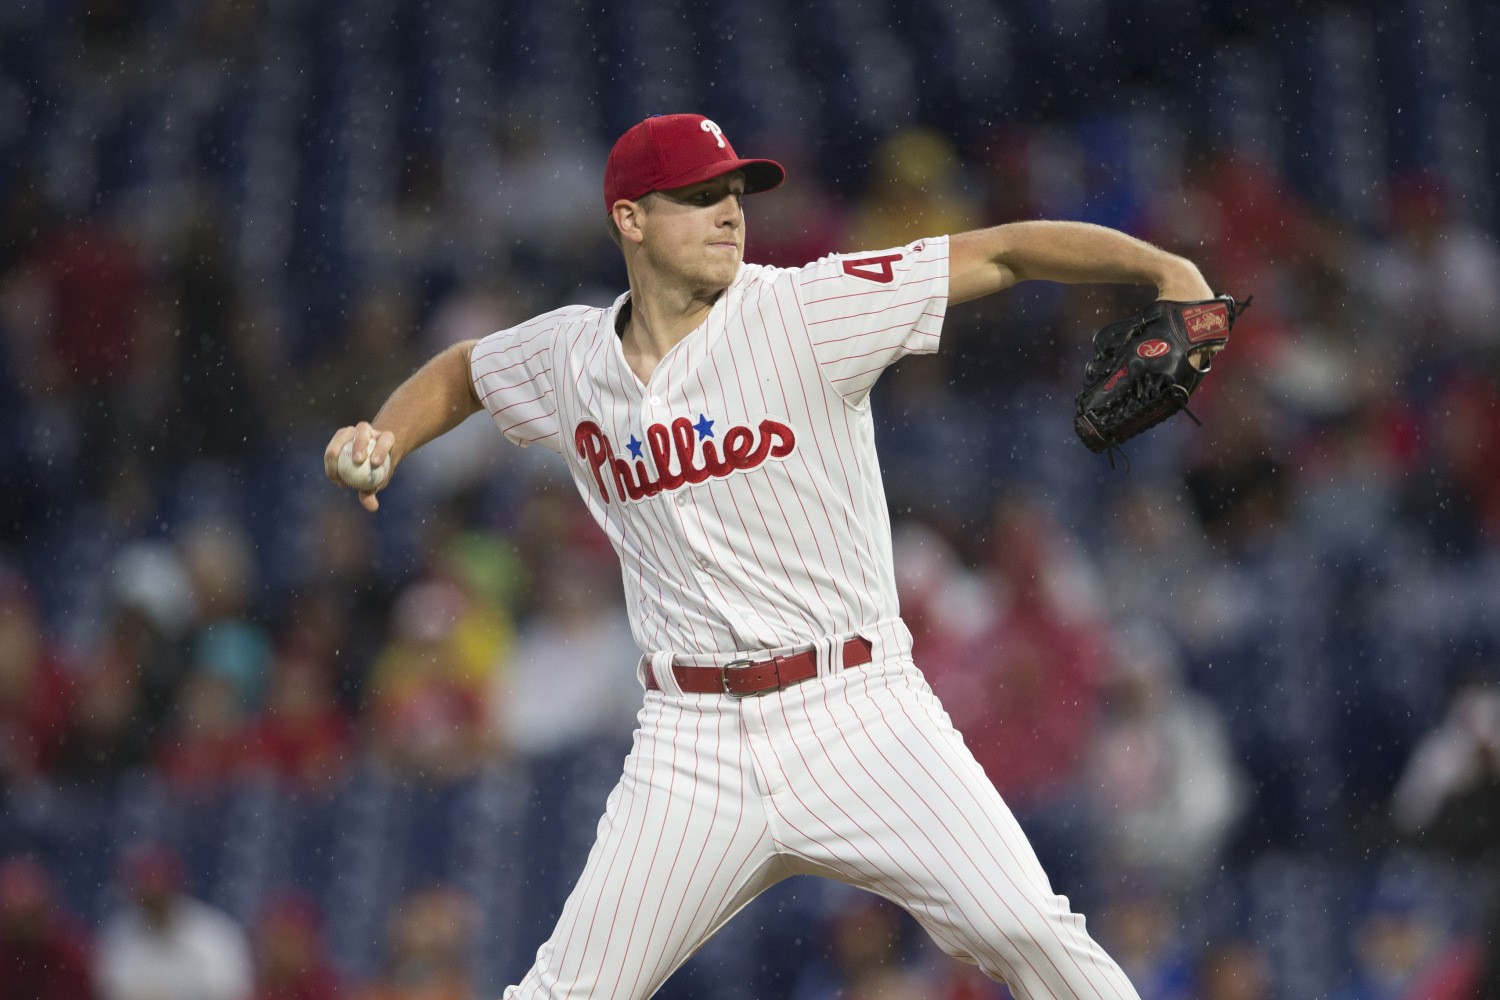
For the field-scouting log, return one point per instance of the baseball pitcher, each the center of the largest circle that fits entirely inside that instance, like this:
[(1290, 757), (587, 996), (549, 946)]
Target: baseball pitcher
[(716, 420)]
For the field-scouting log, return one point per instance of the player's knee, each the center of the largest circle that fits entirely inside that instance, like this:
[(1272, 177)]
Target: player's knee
[(1017, 936)]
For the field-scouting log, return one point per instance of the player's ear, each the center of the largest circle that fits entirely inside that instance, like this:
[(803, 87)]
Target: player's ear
[(628, 217)]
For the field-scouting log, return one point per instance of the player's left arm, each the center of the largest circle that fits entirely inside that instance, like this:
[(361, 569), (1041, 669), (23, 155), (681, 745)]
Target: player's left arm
[(985, 261)]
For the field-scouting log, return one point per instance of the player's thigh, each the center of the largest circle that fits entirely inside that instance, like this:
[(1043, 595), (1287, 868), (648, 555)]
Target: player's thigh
[(684, 842), (897, 804)]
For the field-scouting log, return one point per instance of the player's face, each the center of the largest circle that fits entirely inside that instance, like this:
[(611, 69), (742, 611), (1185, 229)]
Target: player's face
[(698, 232)]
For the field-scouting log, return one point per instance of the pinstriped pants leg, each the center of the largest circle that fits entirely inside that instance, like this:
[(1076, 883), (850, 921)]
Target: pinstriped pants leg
[(684, 843), (858, 776), (868, 777)]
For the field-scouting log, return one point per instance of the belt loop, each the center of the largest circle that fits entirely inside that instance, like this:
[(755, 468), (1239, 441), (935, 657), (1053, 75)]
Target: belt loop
[(666, 678), (830, 654)]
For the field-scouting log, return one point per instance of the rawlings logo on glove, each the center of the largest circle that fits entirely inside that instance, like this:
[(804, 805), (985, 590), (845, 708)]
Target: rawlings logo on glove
[(1146, 367)]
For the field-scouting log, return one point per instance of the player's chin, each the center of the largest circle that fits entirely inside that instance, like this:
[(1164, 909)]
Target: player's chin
[(721, 267)]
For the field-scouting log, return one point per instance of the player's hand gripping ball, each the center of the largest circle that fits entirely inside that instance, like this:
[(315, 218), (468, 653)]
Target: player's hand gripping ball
[(362, 476)]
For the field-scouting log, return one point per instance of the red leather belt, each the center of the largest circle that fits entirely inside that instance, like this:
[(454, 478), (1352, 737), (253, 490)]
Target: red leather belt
[(743, 677)]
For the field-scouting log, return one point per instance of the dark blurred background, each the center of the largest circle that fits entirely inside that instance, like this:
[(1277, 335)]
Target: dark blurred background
[(1245, 697)]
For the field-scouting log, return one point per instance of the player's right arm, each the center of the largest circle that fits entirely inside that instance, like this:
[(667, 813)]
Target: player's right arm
[(435, 399)]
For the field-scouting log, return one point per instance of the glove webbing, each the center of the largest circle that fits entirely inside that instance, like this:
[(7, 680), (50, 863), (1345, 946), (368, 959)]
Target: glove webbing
[(1145, 390)]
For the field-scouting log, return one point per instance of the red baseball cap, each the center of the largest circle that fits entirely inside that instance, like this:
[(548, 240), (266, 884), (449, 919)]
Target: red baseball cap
[(670, 151)]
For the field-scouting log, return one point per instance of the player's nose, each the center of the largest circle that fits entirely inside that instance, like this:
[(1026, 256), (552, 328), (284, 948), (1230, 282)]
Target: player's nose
[(731, 211)]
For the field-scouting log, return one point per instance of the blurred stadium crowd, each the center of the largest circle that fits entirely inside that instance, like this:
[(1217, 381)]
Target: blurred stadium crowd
[(1245, 697)]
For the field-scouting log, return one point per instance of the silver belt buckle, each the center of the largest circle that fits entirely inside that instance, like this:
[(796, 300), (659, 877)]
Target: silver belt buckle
[(724, 675)]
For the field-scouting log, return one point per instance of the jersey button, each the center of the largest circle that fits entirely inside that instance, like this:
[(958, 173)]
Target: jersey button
[(655, 400), (682, 499)]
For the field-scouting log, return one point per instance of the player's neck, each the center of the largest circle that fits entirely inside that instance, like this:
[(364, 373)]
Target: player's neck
[(661, 317)]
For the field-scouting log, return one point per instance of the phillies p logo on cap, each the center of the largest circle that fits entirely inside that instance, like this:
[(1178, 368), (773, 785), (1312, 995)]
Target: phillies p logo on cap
[(672, 151)]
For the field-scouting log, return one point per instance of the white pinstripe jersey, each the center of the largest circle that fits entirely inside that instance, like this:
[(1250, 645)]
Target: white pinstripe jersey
[(740, 485)]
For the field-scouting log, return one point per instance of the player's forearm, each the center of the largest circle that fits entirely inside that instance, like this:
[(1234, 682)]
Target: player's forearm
[(435, 399), (1070, 252)]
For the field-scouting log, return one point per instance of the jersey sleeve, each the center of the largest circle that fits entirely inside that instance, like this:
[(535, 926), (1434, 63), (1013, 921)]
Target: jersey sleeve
[(867, 310), (512, 374)]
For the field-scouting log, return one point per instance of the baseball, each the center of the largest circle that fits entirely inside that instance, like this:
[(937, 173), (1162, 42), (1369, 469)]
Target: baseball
[(361, 475)]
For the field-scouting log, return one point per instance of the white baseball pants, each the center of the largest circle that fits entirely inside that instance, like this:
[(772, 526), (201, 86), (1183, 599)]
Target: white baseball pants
[(856, 775)]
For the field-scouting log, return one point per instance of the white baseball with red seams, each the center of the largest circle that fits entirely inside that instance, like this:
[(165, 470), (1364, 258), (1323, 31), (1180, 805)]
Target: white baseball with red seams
[(741, 489), (361, 475)]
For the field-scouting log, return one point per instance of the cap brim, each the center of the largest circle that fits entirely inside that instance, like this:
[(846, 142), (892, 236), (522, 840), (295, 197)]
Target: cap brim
[(760, 175)]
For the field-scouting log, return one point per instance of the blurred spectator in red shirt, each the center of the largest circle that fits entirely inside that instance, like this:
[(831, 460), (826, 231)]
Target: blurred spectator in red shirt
[(43, 956), (77, 302), (291, 957), (943, 603), (302, 736), (809, 223), (1234, 216), (92, 287), (35, 691), (1452, 498), (206, 744), (1030, 698)]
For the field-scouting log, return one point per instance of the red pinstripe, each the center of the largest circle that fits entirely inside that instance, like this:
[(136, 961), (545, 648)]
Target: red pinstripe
[(809, 581), (714, 492), (833, 857), (845, 317), (713, 488), (868, 371), (956, 883), (906, 877), (868, 606), (815, 586), (623, 846), (719, 865), (863, 334), (630, 392), (519, 364), (519, 402), (640, 903), (880, 352), (866, 610), (926, 731), (529, 420), (863, 293), (765, 529)]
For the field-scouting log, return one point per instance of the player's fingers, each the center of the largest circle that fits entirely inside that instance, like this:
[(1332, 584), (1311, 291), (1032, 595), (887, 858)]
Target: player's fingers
[(363, 435), (380, 446), (369, 502), (331, 453)]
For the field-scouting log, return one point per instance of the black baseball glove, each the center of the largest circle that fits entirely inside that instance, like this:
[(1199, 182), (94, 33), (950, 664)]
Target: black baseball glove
[(1144, 370)]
